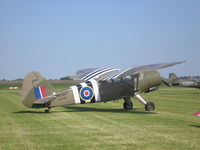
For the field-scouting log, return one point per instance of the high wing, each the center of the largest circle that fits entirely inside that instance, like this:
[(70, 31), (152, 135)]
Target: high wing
[(140, 69), (81, 73), (96, 73), (107, 74)]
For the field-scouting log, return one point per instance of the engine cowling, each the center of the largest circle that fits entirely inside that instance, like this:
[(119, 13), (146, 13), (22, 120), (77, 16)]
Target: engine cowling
[(149, 80)]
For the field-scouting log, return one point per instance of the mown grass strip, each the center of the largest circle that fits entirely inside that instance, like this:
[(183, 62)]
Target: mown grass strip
[(103, 125)]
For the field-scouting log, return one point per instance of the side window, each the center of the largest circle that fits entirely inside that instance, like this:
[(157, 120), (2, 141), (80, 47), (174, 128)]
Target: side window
[(127, 78)]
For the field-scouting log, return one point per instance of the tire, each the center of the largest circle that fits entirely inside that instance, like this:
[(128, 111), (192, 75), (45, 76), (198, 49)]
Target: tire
[(128, 105), (46, 111), (150, 106)]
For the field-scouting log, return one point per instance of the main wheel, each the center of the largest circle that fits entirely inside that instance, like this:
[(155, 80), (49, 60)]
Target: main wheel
[(150, 106), (46, 111), (128, 105)]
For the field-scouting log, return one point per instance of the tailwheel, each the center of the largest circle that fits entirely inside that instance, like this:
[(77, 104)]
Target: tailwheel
[(47, 110), (150, 106), (128, 105)]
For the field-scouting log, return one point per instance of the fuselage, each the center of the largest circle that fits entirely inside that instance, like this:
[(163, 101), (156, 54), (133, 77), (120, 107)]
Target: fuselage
[(101, 91)]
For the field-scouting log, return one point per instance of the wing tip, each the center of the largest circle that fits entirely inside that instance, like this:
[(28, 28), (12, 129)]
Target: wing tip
[(180, 62)]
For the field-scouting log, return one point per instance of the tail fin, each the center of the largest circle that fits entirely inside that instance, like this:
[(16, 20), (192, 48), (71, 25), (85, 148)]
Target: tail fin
[(35, 87)]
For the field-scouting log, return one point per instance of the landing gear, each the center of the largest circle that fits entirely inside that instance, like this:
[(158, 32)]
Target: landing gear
[(47, 110), (128, 104), (150, 106)]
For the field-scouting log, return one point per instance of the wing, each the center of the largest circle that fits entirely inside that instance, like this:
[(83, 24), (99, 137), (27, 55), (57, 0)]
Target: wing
[(96, 73), (140, 69), (114, 73), (81, 73)]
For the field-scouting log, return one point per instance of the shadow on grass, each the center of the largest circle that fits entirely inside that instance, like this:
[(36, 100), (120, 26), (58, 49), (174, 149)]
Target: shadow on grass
[(88, 109), (30, 112), (196, 126)]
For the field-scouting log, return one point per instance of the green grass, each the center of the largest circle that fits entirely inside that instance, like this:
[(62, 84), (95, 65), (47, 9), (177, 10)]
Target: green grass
[(103, 125), (7, 85)]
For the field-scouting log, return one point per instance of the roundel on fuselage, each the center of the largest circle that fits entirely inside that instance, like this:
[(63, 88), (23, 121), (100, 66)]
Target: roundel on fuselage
[(86, 93)]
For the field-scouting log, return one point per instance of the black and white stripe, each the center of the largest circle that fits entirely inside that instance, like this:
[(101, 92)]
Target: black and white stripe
[(89, 83), (98, 72), (111, 76), (79, 86), (92, 73), (76, 91), (116, 75)]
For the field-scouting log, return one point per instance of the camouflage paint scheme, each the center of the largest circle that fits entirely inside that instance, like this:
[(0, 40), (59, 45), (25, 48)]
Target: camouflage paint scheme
[(99, 85)]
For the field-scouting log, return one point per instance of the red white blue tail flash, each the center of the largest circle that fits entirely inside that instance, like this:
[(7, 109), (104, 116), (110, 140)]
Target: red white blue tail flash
[(40, 92)]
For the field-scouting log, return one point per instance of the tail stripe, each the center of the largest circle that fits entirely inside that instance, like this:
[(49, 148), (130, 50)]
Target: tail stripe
[(40, 92)]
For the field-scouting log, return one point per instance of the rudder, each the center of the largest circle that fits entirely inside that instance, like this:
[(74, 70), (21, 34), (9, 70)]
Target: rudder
[(35, 87)]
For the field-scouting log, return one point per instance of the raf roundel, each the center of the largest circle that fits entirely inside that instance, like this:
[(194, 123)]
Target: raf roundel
[(86, 93)]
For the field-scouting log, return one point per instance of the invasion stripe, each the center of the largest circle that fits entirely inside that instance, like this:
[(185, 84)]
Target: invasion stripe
[(79, 86), (112, 76), (120, 73), (89, 83), (105, 73), (93, 72), (96, 90), (100, 73), (76, 94)]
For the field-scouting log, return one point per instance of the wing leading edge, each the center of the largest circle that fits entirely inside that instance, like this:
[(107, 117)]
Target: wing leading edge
[(107, 74), (96, 73), (140, 69)]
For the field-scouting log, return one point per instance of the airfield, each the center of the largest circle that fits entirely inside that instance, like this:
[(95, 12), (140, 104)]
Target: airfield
[(172, 126)]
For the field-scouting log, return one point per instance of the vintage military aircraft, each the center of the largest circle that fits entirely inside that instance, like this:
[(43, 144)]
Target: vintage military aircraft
[(175, 81), (99, 85)]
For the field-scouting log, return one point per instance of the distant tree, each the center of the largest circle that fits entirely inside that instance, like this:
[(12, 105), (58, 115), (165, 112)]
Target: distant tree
[(19, 79), (65, 78)]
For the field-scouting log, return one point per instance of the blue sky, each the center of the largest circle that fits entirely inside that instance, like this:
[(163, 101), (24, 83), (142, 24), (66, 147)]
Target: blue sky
[(59, 37)]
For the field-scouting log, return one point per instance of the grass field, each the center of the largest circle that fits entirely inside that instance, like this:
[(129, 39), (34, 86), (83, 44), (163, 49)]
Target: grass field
[(103, 125)]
